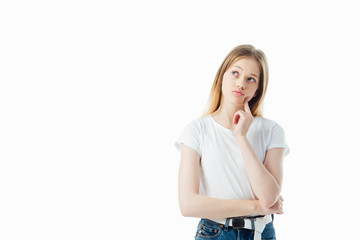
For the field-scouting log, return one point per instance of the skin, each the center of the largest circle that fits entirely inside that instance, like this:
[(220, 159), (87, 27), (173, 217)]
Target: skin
[(192, 204), (265, 179), (235, 79), (234, 113)]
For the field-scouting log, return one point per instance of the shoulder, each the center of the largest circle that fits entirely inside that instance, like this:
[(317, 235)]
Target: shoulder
[(193, 128), (199, 123), (266, 122), (269, 124)]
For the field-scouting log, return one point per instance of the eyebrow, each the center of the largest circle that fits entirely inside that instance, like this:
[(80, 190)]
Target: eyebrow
[(250, 73)]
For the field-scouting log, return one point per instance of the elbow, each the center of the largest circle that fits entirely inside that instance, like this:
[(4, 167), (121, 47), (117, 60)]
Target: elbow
[(269, 198), (269, 201), (185, 211), (187, 207)]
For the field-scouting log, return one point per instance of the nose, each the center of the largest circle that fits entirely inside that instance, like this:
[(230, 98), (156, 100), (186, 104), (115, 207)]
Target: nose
[(241, 83)]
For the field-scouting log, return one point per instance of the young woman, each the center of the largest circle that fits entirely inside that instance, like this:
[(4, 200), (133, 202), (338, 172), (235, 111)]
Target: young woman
[(231, 165)]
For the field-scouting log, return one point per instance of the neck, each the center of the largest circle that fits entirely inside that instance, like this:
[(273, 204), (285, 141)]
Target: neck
[(225, 114)]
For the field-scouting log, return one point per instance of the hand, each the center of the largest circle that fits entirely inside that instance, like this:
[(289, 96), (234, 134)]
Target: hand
[(277, 207), (243, 119)]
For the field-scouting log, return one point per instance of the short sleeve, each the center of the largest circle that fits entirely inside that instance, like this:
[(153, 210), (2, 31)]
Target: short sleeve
[(190, 137), (277, 138)]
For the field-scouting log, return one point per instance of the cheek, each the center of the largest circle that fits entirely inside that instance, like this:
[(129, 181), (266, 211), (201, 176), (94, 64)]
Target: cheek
[(226, 84), (227, 79)]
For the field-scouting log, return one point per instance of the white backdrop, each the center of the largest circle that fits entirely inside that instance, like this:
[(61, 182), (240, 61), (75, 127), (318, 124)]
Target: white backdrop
[(94, 94)]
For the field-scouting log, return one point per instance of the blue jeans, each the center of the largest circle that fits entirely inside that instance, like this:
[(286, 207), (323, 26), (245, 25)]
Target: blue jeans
[(208, 229)]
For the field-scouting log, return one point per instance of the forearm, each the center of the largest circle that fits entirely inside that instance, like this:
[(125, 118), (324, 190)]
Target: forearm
[(207, 207), (264, 185)]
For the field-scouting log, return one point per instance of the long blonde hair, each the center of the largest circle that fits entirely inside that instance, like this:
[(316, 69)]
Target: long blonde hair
[(241, 51)]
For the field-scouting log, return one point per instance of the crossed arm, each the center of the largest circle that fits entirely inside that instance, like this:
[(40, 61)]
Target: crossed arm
[(265, 179), (194, 205)]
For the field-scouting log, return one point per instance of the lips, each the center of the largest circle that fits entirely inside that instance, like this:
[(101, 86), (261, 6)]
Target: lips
[(238, 93)]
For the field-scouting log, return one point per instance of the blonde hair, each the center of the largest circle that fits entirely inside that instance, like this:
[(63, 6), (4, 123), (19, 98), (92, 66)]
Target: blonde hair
[(241, 51)]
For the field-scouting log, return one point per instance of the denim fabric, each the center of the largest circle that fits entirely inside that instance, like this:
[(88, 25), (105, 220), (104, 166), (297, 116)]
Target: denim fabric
[(208, 229)]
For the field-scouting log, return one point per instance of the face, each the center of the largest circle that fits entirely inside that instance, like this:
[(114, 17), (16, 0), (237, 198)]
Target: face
[(242, 76)]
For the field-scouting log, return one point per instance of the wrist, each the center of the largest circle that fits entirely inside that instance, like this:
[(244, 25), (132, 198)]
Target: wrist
[(240, 137), (259, 208)]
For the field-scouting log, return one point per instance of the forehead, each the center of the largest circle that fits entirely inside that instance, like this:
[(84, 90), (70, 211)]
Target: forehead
[(248, 64)]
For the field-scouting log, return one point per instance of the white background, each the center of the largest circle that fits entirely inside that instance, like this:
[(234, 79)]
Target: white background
[(94, 94)]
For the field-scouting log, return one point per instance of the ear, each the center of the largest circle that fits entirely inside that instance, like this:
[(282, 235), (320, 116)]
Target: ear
[(256, 92)]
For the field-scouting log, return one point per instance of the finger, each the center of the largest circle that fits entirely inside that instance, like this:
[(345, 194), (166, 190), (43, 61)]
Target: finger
[(241, 112), (247, 107), (236, 118), (239, 115)]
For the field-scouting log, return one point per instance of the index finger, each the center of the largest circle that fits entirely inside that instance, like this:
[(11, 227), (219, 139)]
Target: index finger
[(246, 103)]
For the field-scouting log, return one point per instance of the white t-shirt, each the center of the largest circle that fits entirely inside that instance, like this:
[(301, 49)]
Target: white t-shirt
[(223, 172)]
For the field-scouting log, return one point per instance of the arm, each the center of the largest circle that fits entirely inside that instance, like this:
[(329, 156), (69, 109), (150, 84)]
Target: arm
[(194, 205), (265, 179)]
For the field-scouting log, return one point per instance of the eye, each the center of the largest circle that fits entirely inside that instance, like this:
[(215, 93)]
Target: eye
[(235, 73), (252, 79)]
